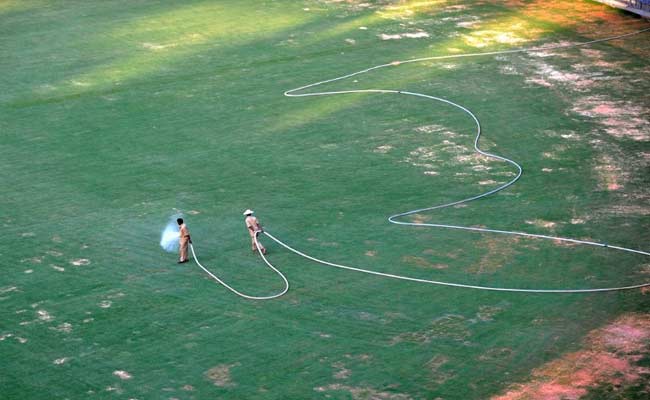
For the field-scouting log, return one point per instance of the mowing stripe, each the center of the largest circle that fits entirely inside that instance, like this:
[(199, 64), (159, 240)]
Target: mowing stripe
[(393, 218)]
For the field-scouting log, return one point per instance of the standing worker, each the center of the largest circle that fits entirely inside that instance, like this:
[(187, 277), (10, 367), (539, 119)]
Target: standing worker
[(254, 229), (184, 239)]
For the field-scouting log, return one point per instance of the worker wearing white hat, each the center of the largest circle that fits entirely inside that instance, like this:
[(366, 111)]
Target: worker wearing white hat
[(254, 229)]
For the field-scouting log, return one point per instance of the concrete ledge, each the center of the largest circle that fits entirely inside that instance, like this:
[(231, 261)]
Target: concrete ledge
[(628, 5)]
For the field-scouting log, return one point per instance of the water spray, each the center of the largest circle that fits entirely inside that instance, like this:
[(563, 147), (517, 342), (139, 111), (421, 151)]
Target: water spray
[(170, 236)]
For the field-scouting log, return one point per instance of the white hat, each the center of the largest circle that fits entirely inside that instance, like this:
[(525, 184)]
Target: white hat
[(248, 212)]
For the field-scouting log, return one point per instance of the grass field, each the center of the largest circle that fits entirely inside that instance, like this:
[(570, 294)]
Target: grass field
[(116, 115)]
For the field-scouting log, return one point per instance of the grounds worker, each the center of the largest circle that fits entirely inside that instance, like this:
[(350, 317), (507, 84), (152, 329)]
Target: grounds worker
[(184, 239), (254, 229)]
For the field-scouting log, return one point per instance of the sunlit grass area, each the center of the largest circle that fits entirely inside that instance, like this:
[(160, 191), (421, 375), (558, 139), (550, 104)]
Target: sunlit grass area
[(116, 116)]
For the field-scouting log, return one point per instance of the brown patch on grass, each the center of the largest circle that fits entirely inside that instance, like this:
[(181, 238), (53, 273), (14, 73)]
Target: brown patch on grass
[(583, 16), (497, 354), (499, 251), (220, 375), (33, 260), (564, 243), (8, 289), (450, 326), (486, 313), (621, 119), (579, 14), (645, 269), (434, 365), (437, 129), (65, 327), (397, 36), (610, 355), (628, 210), (610, 175), (342, 372), (45, 316), (383, 149), (106, 304), (506, 33), (363, 393), (5, 336), (122, 375), (359, 357), (422, 262), (540, 223), (420, 218)]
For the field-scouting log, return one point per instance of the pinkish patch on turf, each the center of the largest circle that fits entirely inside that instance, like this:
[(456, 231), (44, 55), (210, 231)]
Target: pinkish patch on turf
[(609, 356), (618, 118)]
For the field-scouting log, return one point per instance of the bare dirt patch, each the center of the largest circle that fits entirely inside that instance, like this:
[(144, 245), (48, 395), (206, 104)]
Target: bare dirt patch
[(44, 316), (105, 304), (363, 393), (619, 118), (610, 175), (580, 14), (65, 327), (450, 326), (487, 313), (383, 149), (435, 367), (498, 252), (80, 262), (156, 46), (540, 223), (220, 375), (122, 375), (497, 354), (610, 355), (341, 371), (423, 263), (5, 336), (409, 35), (8, 289), (33, 260)]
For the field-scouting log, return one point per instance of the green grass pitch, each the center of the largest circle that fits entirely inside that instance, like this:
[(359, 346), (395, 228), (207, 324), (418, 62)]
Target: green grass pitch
[(116, 115)]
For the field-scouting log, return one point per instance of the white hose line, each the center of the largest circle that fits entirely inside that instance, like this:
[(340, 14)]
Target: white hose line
[(392, 219), (238, 293), (458, 285)]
